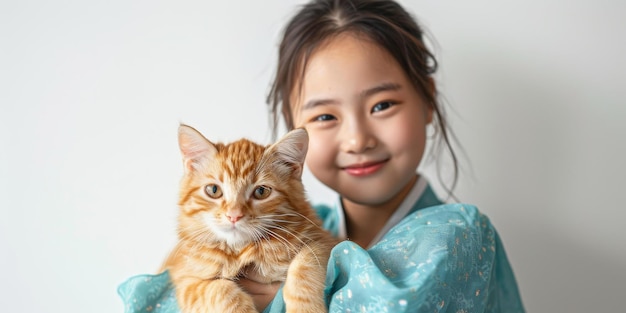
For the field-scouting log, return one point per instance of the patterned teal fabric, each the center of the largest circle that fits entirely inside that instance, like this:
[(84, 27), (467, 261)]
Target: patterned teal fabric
[(148, 293), (442, 258)]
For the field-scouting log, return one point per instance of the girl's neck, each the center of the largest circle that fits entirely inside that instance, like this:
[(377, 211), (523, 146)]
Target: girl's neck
[(364, 222)]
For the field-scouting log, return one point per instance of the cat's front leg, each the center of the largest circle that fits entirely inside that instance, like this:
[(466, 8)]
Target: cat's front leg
[(304, 286), (195, 295)]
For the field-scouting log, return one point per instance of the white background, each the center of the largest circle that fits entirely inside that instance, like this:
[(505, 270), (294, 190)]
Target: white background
[(91, 94)]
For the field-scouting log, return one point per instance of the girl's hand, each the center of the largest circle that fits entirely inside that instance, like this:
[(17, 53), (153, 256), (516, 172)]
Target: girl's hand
[(262, 293)]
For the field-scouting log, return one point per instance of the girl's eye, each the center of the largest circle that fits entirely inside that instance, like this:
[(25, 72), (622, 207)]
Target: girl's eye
[(214, 191), (262, 192), (324, 117), (382, 106)]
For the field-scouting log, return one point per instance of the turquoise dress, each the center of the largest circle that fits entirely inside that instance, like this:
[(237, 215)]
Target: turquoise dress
[(430, 257)]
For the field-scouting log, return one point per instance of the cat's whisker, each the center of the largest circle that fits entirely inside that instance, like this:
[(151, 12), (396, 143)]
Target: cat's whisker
[(279, 221), (290, 246), (258, 237), (295, 213), (274, 216), (299, 236), (279, 237), (254, 233), (199, 234), (275, 251)]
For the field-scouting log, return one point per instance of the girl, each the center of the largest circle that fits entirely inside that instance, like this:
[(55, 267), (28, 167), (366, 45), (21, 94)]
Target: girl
[(358, 76)]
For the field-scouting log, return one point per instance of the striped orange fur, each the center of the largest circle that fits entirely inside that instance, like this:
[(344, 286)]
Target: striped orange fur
[(243, 205)]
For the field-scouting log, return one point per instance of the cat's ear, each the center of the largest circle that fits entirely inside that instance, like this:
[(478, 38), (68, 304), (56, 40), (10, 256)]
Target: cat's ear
[(291, 150), (194, 147)]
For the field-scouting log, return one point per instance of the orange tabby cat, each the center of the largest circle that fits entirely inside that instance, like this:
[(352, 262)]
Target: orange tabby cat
[(243, 205)]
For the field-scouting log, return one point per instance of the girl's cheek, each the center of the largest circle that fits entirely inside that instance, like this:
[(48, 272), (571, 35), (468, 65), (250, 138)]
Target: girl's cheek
[(318, 147), (296, 116)]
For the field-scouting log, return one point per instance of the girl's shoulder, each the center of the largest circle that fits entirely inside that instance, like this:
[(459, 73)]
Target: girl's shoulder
[(450, 225), (461, 214), (445, 257), (454, 214)]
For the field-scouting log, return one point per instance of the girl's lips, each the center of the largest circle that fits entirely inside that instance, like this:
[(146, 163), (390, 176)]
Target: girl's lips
[(364, 169)]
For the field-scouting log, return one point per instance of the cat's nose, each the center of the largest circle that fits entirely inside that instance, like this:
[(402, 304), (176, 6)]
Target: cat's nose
[(233, 217)]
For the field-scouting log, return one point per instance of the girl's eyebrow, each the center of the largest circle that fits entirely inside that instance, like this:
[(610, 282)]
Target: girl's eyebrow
[(363, 94), (380, 88), (316, 102)]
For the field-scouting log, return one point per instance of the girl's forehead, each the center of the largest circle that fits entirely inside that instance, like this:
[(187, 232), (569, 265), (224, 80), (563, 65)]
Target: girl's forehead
[(344, 63), (348, 45)]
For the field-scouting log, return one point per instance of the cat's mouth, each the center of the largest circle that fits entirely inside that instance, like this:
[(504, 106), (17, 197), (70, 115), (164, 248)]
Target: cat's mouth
[(230, 230), (234, 233), (231, 227)]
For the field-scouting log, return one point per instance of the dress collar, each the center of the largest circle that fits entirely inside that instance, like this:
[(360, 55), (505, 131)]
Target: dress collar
[(408, 205)]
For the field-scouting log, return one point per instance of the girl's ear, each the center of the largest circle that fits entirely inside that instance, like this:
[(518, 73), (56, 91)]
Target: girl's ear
[(290, 151), (195, 149)]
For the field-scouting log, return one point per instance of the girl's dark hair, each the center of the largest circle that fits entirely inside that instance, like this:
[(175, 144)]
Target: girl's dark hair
[(384, 22)]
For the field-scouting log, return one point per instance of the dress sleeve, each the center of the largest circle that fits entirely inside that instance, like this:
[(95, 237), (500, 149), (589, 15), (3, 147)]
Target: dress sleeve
[(148, 293), (438, 259)]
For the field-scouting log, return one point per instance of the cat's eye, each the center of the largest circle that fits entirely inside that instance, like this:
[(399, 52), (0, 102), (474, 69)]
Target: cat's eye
[(212, 190), (262, 192)]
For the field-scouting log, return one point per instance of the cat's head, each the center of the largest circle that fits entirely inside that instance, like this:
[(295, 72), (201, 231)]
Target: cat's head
[(239, 192)]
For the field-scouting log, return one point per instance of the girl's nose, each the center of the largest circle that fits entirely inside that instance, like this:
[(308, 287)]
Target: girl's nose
[(356, 138)]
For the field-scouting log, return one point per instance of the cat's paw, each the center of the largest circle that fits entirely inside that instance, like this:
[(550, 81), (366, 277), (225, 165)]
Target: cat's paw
[(308, 308), (210, 296)]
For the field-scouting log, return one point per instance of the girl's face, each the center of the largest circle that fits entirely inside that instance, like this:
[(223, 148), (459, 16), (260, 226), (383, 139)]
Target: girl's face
[(366, 121)]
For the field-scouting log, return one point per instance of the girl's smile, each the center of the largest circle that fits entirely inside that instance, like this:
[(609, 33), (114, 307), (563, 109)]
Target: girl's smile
[(364, 169)]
